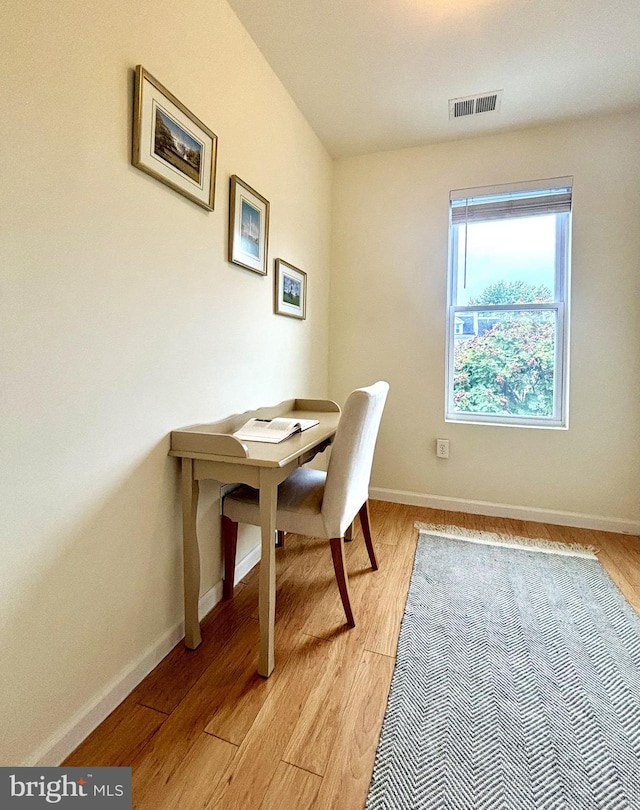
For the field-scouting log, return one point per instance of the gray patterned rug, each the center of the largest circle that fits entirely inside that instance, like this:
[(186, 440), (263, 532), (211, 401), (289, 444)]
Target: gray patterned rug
[(517, 684)]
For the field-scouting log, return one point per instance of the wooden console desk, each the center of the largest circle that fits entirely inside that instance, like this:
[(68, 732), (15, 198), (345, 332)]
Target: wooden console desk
[(210, 451)]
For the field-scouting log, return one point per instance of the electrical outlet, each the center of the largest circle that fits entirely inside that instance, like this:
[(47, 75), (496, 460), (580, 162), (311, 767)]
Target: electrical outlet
[(442, 448)]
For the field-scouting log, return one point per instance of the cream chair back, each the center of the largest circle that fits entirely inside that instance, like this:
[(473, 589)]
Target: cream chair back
[(349, 471)]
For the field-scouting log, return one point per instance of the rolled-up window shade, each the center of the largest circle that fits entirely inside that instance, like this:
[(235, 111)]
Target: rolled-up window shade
[(481, 206)]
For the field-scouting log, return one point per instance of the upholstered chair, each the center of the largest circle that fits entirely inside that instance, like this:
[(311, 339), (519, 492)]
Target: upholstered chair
[(319, 504)]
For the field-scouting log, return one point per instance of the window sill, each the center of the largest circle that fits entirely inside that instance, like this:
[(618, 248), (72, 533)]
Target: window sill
[(500, 422)]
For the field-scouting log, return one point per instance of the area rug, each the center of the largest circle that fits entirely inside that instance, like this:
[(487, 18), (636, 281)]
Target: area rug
[(517, 683)]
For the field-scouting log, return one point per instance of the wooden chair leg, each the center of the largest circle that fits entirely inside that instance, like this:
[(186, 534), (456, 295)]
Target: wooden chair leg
[(366, 531), (337, 554), (348, 535), (279, 539), (229, 531)]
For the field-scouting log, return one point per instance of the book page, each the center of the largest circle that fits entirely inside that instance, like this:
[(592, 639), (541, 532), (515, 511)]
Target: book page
[(267, 430), (272, 430), (283, 425), (305, 424)]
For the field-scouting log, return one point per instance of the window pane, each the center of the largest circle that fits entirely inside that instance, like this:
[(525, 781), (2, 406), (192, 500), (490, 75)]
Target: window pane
[(504, 362), (508, 261)]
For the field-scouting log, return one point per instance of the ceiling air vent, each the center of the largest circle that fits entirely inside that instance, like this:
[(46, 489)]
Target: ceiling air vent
[(474, 105)]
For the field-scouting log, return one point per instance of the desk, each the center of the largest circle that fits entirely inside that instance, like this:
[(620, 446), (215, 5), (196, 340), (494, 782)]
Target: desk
[(211, 452)]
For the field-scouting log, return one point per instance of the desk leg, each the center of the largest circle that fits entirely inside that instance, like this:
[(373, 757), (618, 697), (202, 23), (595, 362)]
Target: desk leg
[(267, 595), (191, 555)]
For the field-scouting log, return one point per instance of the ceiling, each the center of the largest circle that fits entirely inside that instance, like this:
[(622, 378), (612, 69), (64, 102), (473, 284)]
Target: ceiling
[(373, 75)]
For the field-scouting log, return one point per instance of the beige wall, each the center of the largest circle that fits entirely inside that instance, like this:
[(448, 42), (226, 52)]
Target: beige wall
[(388, 297), (121, 319)]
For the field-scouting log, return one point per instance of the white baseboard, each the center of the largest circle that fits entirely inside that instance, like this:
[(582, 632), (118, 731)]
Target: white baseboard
[(54, 750), (66, 739), (248, 562), (557, 517)]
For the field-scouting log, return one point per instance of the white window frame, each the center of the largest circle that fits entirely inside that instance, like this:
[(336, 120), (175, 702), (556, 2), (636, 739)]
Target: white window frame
[(559, 306)]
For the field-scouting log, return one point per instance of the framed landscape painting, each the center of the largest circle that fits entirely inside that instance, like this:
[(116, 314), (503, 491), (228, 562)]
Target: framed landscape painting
[(290, 290), (171, 144), (248, 227)]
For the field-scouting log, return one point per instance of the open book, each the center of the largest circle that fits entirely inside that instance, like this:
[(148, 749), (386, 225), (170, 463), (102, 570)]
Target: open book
[(272, 430)]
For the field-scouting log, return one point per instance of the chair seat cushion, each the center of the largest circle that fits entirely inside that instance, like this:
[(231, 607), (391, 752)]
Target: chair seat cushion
[(299, 503)]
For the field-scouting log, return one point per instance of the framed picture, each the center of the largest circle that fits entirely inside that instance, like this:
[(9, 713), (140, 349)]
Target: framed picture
[(248, 227), (291, 290), (171, 144)]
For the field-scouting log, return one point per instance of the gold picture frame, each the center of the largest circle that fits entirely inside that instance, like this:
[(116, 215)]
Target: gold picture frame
[(248, 227), (290, 290), (171, 144)]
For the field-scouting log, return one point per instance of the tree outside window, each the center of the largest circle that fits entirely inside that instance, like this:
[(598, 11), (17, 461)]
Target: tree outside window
[(507, 313)]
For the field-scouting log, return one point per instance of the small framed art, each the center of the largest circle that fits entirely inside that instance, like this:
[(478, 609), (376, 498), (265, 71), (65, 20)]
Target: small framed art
[(171, 144), (290, 290), (248, 227)]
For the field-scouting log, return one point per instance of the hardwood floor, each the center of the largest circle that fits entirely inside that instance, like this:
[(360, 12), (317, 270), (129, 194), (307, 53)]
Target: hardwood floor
[(204, 730)]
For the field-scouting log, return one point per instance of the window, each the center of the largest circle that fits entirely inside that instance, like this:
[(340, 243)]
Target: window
[(508, 295)]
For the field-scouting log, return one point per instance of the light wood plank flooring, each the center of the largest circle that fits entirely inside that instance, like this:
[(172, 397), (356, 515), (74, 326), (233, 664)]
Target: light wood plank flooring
[(203, 730)]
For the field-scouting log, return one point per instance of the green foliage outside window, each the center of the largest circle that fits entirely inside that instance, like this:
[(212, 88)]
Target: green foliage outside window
[(513, 292), (510, 368)]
